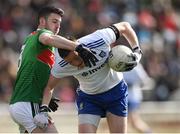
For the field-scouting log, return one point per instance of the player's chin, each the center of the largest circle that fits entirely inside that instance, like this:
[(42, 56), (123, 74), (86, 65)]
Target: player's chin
[(56, 32)]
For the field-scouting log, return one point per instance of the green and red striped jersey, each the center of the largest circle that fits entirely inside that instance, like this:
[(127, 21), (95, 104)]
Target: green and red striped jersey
[(34, 65)]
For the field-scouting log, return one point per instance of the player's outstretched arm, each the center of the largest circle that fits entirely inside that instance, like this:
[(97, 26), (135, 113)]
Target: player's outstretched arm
[(60, 42), (52, 82), (48, 104), (57, 41)]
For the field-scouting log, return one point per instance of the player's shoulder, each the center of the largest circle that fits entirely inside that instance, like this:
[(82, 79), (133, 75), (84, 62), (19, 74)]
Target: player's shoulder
[(44, 31), (101, 33), (104, 33)]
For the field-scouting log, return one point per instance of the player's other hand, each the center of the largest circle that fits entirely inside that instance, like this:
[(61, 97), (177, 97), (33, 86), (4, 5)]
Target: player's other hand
[(137, 54), (136, 57), (53, 104), (41, 119), (129, 65), (87, 55)]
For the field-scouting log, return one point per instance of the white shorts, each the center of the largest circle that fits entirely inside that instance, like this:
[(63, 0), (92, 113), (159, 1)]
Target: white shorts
[(22, 113)]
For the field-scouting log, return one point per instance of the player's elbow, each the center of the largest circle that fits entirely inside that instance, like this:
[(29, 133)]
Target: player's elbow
[(126, 27), (123, 27), (46, 39)]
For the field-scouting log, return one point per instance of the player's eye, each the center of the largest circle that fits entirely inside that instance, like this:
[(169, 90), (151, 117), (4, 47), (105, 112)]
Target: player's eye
[(54, 21)]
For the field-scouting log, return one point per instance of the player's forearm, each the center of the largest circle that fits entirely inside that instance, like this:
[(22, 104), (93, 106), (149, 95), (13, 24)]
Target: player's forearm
[(47, 95), (57, 41), (127, 31), (48, 91), (61, 42)]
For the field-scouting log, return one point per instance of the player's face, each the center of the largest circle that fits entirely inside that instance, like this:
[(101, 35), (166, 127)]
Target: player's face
[(53, 23), (74, 59)]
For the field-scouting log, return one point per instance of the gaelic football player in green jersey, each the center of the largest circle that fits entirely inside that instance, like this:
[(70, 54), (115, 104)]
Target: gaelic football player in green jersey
[(35, 62)]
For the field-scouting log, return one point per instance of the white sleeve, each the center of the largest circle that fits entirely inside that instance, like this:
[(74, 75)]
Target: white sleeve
[(55, 72), (60, 72), (108, 35)]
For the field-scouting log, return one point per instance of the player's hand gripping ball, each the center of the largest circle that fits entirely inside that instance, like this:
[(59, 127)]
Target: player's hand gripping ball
[(121, 58)]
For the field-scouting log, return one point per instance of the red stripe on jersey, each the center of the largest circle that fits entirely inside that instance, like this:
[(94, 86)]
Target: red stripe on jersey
[(34, 32), (47, 57)]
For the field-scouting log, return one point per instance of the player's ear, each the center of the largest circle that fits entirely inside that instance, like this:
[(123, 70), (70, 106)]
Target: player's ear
[(42, 21)]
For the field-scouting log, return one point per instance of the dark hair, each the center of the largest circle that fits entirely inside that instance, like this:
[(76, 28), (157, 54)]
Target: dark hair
[(63, 53), (45, 11)]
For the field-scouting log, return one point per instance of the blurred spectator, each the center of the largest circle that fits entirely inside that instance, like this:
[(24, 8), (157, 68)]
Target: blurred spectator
[(7, 73), (65, 90), (137, 79), (67, 94)]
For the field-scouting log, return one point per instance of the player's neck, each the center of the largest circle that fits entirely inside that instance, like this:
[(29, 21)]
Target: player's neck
[(40, 27)]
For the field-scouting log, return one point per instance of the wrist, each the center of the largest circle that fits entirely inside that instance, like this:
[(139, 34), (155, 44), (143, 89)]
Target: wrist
[(44, 105), (44, 108), (137, 49), (76, 45)]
